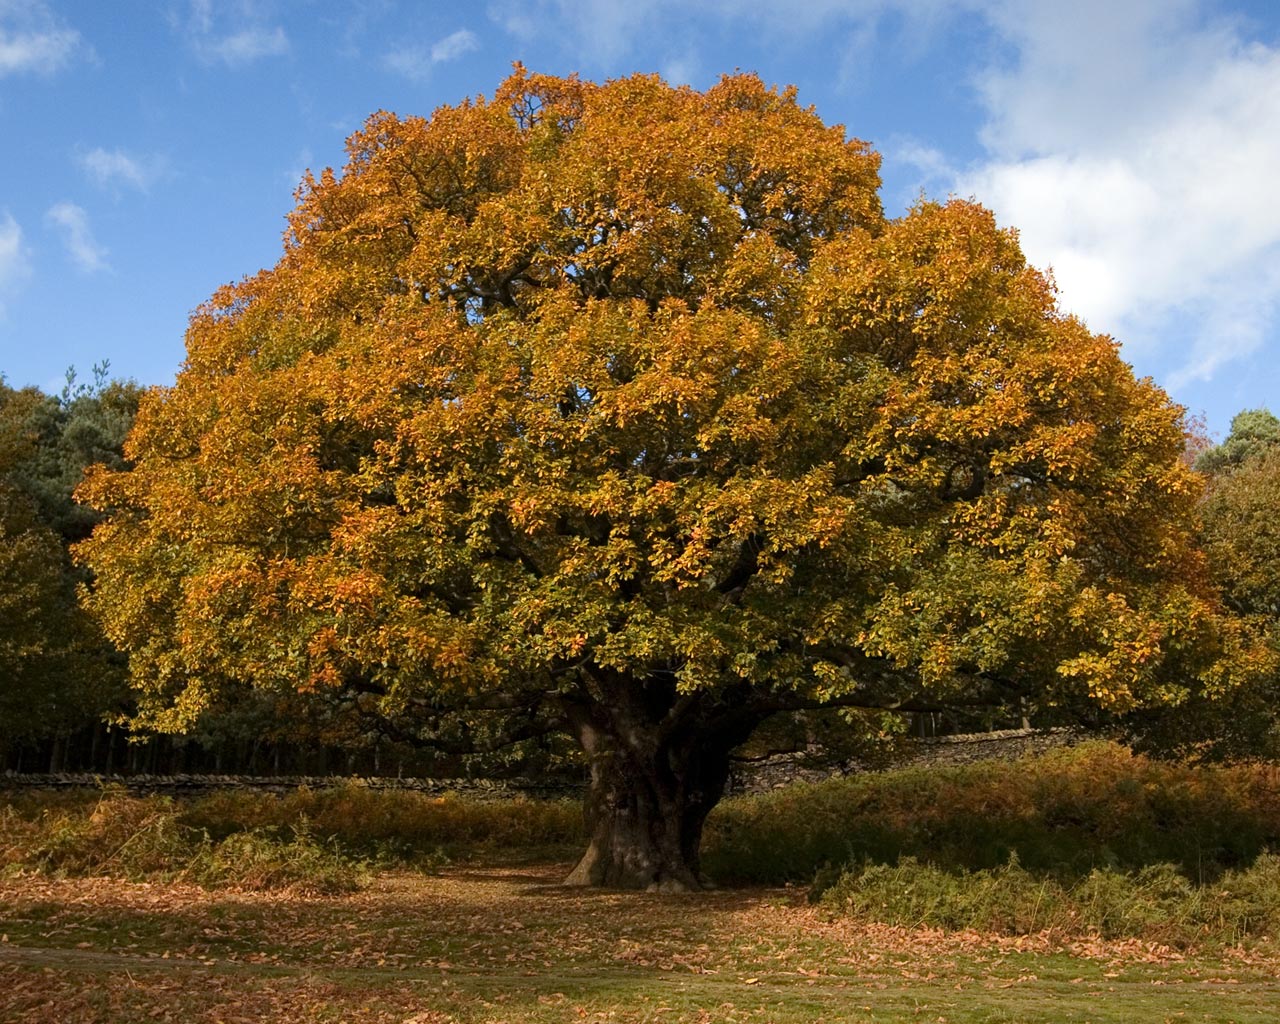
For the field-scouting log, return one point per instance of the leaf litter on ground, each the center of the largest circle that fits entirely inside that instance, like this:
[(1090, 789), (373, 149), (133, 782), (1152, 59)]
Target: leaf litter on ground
[(488, 944)]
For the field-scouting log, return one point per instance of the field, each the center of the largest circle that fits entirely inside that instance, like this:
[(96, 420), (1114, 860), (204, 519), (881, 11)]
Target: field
[(489, 945), (451, 913)]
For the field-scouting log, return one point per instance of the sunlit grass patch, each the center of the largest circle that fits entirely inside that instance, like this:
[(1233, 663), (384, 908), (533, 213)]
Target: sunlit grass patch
[(474, 945)]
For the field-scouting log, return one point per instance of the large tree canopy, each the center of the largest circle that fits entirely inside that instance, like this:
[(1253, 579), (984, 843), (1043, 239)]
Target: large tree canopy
[(622, 409)]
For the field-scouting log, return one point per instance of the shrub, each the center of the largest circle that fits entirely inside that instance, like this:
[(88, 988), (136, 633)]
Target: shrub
[(259, 860), (1156, 903), (1064, 813), (119, 835), (142, 838), (276, 837), (1007, 900), (400, 826)]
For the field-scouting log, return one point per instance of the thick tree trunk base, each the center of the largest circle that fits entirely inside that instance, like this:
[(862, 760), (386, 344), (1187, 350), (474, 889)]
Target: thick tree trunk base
[(634, 868), (645, 825), (655, 775)]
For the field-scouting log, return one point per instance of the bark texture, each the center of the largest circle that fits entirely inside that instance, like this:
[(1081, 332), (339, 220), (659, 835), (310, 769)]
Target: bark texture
[(655, 776)]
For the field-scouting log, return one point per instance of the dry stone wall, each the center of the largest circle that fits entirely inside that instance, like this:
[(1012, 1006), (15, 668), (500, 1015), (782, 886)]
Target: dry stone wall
[(753, 777), (937, 751), (491, 789)]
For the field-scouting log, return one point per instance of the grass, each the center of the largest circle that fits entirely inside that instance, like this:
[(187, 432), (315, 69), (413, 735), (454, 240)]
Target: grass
[(402, 825), (481, 946), (1090, 838), (324, 840), (1086, 886)]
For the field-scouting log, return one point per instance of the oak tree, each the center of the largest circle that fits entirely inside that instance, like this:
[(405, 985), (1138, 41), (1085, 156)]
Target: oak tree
[(623, 410)]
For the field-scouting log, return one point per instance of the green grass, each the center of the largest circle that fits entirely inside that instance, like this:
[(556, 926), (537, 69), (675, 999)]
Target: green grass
[(480, 946)]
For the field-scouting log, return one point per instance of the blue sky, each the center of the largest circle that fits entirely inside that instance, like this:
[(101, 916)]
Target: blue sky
[(151, 147)]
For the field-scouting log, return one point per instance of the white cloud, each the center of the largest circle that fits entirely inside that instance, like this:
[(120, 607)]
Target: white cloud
[(202, 16), (415, 63), (111, 167), (33, 39), (681, 70), (931, 163), (603, 29), (14, 265), (924, 168), (73, 224), (454, 45), (247, 45), (1137, 148), (233, 34), (294, 175)]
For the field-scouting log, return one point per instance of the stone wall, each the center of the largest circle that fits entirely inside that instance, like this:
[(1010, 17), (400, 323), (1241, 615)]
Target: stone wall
[(483, 789), (748, 777), (937, 751)]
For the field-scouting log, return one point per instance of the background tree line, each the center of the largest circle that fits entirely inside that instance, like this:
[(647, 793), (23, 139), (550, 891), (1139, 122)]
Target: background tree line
[(59, 679)]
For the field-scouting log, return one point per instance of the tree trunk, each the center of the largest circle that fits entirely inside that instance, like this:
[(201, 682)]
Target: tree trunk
[(648, 799)]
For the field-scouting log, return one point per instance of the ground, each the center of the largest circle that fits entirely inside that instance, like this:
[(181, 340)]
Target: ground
[(509, 945)]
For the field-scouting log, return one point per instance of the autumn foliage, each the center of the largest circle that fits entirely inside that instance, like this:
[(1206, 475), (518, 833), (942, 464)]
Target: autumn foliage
[(623, 410)]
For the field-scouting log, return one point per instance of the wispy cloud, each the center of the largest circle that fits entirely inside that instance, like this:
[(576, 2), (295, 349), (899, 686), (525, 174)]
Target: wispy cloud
[(72, 223), (294, 175), (114, 167), (602, 32), (603, 29), (416, 63), (682, 69), (248, 45), (33, 39), (14, 263), (454, 45), (235, 38), (929, 168)]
